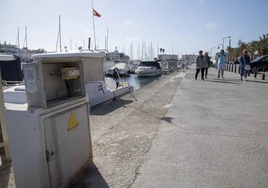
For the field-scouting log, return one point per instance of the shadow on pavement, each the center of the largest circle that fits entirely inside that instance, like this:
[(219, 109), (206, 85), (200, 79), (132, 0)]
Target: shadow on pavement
[(5, 170), (88, 177), (108, 107), (225, 81), (258, 81), (167, 119)]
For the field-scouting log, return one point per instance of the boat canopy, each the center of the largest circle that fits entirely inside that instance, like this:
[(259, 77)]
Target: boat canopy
[(7, 57)]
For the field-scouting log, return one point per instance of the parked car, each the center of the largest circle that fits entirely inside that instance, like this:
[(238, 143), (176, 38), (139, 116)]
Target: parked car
[(235, 62), (261, 63)]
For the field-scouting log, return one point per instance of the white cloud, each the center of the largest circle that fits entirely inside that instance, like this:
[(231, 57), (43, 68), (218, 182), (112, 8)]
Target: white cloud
[(133, 39), (202, 1), (87, 31), (211, 25), (129, 24)]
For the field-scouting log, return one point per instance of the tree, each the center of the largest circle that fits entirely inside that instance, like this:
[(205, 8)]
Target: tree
[(161, 49), (242, 46), (252, 48), (263, 44), (231, 54)]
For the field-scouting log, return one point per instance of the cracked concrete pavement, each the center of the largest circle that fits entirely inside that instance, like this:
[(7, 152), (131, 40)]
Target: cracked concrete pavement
[(217, 136), (123, 132), (183, 133)]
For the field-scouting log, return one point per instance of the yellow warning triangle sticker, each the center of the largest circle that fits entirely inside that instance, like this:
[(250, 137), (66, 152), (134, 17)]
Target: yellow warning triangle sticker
[(72, 122)]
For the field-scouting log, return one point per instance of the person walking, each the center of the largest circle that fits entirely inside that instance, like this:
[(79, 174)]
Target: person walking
[(206, 64), (244, 65), (199, 65), (221, 63)]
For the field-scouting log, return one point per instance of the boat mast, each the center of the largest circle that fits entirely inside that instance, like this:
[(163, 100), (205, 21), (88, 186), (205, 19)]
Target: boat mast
[(142, 51), (94, 26), (157, 49), (60, 32), (107, 38), (131, 51), (18, 38), (151, 50), (59, 36), (26, 43)]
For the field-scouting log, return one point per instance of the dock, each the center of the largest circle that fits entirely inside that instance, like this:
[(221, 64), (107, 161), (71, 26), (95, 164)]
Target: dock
[(181, 132)]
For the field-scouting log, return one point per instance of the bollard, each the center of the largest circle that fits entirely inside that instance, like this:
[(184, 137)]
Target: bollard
[(235, 69), (232, 67), (239, 70), (255, 73), (263, 76), (229, 67)]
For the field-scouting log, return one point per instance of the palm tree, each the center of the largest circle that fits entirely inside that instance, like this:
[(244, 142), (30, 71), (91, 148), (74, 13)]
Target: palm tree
[(252, 48), (161, 49), (263, 44), (230, 51), (242, 46)]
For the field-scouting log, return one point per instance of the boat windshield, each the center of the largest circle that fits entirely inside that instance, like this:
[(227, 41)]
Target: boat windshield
[(148, 64)]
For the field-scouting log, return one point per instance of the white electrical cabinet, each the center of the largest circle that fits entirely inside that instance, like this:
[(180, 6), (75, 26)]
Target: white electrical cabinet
[(49, 137)]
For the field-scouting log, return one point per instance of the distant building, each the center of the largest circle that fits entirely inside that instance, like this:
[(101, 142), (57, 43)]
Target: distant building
[(116, 55), (23, 53), (188, 58), (167, 57)]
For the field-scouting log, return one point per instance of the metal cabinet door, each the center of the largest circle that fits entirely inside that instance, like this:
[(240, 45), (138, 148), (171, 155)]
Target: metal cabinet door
[(67, 150)]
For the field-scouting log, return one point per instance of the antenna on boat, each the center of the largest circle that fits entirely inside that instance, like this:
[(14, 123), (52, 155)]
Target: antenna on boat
[(89, 43), (59, 36)]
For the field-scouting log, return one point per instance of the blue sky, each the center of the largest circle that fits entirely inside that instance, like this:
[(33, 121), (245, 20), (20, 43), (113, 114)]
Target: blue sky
[(187, 25)]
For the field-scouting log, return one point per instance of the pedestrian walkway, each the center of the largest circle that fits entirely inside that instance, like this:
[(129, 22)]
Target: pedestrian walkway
[(217, 136), (180, 132)]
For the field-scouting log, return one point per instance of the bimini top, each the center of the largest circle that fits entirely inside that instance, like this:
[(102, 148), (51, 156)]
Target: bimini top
[(82, 54), (7, 57)]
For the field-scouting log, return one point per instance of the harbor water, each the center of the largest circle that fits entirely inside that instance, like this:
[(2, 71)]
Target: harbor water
[(135, 81)]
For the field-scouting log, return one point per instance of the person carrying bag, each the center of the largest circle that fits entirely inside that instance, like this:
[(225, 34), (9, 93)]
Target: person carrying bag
[(244, 65)]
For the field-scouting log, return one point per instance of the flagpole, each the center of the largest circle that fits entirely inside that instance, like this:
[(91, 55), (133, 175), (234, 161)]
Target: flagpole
[(94, 26)]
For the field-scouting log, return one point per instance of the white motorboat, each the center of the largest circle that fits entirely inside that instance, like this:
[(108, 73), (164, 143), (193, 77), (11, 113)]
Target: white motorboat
[(173, 65), (121, 69), (96, 86), (107, 65), (149, 68)]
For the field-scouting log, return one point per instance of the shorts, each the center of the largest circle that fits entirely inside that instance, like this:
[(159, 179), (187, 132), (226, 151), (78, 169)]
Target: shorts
[(221, 66)]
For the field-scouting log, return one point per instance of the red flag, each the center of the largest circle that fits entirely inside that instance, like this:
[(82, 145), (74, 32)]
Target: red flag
[(95, 13)]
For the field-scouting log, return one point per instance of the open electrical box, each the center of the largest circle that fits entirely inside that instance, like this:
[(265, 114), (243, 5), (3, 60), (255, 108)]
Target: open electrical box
[(50, 82)]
